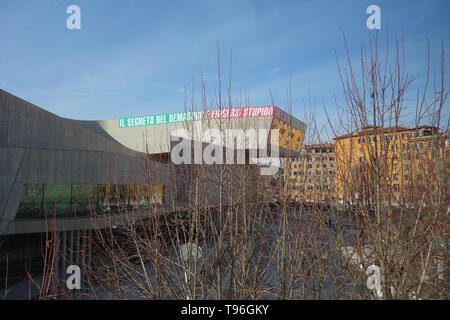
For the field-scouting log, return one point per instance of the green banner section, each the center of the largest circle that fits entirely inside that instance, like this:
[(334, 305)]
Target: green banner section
[(159, 119)]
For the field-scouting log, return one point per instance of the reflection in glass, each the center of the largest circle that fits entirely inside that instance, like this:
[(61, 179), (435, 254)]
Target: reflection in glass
[(31, 205), (57, 196), (84, 199), (68, 200)]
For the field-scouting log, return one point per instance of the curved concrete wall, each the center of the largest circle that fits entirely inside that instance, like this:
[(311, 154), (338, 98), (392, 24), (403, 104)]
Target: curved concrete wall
[(38, 147)]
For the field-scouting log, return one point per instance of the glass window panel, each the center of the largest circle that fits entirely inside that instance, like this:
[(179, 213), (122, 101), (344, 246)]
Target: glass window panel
[(57, 195), (84, 199), (154, 194), (106, 196), (31, 205)]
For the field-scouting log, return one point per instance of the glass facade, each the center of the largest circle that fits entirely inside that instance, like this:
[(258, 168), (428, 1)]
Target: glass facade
[(84, 197), (31, 204), (69, 200), (57, 197)]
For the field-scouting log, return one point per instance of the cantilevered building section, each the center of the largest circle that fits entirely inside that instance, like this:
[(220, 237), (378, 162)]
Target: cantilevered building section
[(68, 168), (151, 133)]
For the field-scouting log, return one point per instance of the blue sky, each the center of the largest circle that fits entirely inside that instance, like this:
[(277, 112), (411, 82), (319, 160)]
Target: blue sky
[(135, 57)]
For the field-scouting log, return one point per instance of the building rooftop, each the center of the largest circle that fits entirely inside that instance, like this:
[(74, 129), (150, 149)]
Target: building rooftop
[(372, 130), (319, 145)]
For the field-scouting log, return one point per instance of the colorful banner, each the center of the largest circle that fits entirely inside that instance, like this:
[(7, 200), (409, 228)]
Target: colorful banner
[(246, 112)]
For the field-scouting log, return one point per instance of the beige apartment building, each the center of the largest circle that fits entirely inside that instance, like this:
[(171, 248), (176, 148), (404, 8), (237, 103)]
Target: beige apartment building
[(414, 161), (312, 176)]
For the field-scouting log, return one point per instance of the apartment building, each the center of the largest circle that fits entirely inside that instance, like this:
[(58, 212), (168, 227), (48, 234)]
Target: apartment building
[(311, 177), (413, 161)]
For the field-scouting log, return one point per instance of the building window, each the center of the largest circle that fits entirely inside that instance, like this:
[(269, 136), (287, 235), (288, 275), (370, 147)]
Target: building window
[(68, 200), (84, 198), (31, 204), (57, 197), (405, 136), (372, 139), (405, 147), (317, 150), (394, 147), (361, 140), (361, 159)]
